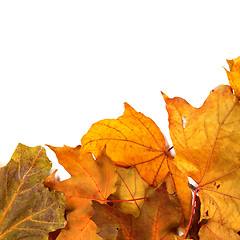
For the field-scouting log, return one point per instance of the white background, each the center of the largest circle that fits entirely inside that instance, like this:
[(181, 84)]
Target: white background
[(67, 64)]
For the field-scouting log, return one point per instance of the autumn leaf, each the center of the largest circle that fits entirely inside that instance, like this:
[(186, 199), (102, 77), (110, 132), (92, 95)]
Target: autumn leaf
[(78, 212), (179, 193), (234, 75), (131, 191), (158, 220), (135, 140), (28, 210), (206, 142), (131, 140), (79, 225), (90, 179), (215, 231)]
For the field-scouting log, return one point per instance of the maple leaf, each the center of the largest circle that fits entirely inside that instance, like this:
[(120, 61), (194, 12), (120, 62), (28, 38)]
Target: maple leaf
[(215, 231), (179, 193), (90, 179), (158, 219), (78, 212), (131, 140), (131, 190), (28, 210), (135, 140), (206, 142), (79, 225), (234, 75)]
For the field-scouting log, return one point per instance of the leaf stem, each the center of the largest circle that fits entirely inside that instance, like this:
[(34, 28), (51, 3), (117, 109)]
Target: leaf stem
[(193, 207), (126, 200), (169, 149)]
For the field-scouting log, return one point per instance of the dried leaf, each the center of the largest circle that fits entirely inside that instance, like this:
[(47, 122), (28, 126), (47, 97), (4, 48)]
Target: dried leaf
[(131, 140), (234, 75), (158, 219), (28, 210), (130, 186), (206, 142), (180, 193), (215, 231), (79, 225), (90, 179)]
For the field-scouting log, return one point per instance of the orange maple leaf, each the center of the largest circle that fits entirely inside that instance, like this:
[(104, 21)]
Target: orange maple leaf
[(90, 180), (131, 140), (135, 140), (79, 225), (206, 142)]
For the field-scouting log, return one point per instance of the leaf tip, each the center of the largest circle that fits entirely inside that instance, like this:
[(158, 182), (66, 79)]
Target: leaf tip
[(165, 97), (50, 178), (50, 146), (126, 105), (225, 69)]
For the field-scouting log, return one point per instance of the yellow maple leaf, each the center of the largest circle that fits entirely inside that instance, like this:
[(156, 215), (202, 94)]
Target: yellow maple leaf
[(132, 188), (131, 140), (206, 142), (134, 140), (234, 75), (215, 231)]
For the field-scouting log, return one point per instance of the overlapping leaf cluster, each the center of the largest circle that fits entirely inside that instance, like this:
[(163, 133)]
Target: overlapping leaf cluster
[(125, 184)]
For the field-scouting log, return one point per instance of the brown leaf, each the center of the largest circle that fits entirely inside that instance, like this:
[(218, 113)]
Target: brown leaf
[(158, 219), (54, 235), (206, 142), (28, 210)]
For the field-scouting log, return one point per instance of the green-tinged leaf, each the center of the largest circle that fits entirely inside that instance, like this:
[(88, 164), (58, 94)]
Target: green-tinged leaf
[(130, 186), (28, 210)]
